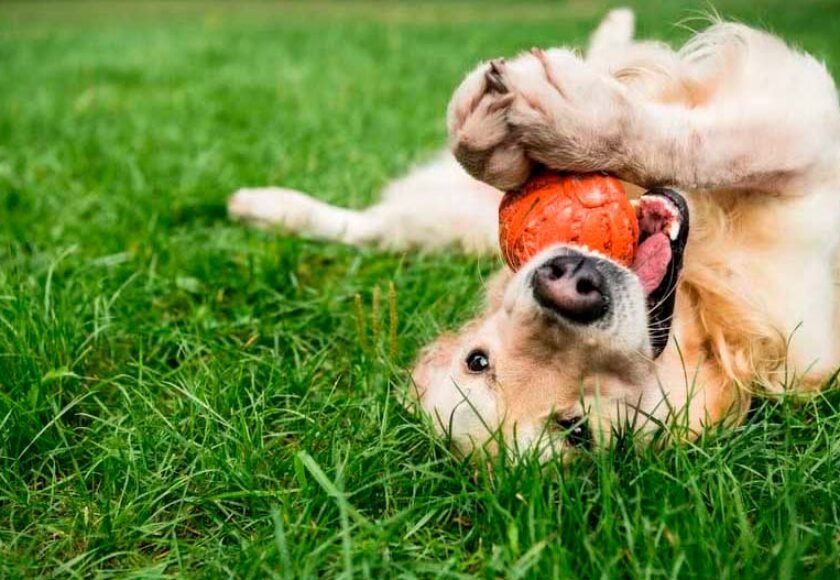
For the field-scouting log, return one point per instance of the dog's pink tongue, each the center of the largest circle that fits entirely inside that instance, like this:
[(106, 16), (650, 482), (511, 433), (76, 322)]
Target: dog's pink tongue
[(651, 263)]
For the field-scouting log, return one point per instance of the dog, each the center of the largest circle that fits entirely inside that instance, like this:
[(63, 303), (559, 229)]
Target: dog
[(742, 130)]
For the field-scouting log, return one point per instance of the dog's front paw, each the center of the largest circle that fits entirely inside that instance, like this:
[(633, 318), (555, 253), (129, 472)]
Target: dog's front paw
[(565, 114), (479, 134), (272, 207)]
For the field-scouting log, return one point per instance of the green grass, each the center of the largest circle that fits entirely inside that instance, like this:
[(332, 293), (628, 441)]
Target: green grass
[(182, 395)]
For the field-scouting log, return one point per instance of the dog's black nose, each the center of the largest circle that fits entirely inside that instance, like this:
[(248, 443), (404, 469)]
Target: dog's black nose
[(572, 287)]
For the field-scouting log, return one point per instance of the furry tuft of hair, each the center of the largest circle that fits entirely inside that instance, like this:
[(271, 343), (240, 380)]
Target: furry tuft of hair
[(748, 348)]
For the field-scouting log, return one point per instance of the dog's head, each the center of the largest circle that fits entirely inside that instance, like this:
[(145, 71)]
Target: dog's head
[(561, 356)]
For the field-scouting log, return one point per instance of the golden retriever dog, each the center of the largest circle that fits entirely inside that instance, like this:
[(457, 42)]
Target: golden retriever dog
[(573, 347)]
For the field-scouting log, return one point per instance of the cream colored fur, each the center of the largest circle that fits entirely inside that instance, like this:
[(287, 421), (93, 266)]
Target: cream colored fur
[(745, 126)]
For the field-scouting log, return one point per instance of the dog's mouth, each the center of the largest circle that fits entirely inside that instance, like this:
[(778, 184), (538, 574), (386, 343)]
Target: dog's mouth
[(663, 234), (575, 287)]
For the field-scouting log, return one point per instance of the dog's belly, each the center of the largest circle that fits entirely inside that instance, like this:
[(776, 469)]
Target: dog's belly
[(784, 252)]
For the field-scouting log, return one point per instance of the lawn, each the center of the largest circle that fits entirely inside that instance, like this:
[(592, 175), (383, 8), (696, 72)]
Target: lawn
[(180, 395)]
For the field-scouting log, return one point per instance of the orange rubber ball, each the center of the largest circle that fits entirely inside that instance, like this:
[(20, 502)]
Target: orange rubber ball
[(590, 210)]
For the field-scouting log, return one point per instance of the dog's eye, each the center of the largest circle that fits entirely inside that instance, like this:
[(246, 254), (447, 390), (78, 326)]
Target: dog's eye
[(478, 361), (575, 430)]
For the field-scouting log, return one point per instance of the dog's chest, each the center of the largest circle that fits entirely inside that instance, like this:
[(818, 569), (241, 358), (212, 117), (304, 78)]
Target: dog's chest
[(780, 253)]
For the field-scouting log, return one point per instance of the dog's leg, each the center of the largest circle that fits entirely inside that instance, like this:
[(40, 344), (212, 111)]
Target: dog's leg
[(436, 206), (612, 36), (297, 213), (762, 118), (777, 134)]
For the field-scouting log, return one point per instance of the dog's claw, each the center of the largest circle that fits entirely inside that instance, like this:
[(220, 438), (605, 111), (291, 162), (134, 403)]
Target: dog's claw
[(494, 76), (497, 64)]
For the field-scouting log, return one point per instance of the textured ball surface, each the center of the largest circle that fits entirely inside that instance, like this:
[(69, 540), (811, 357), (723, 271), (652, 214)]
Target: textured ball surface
[(590, 210)]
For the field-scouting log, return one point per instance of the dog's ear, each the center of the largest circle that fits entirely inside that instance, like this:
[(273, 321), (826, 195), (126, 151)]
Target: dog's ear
[(432, 363), (496, 286)]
